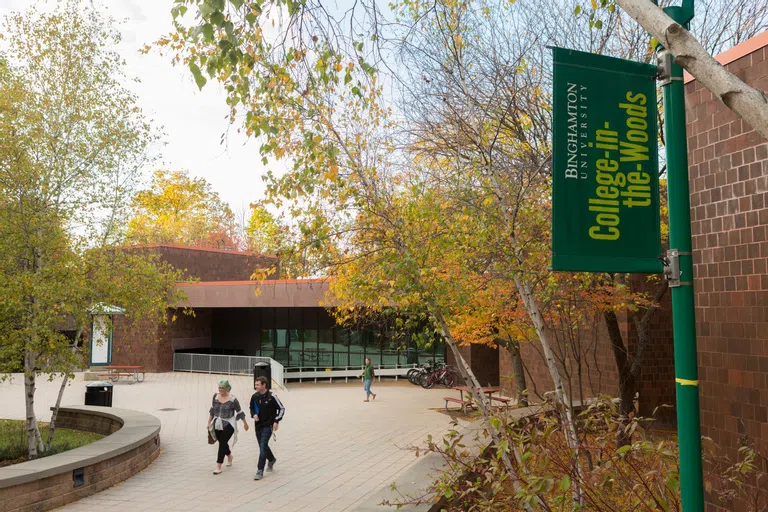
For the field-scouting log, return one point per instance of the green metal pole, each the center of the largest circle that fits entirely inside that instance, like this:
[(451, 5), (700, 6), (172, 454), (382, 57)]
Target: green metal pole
[(683, 308)]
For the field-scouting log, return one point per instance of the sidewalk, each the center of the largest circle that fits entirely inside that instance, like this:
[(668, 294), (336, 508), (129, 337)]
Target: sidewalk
[(333, 449)]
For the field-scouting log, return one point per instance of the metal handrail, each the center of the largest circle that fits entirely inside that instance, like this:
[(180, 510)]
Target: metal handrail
[(225, 364)]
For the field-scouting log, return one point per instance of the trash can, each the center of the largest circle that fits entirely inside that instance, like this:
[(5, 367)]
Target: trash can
[(99, 393), (262, 369)]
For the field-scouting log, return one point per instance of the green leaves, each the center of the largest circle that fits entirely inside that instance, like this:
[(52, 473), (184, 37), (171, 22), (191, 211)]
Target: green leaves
[(200, 80)]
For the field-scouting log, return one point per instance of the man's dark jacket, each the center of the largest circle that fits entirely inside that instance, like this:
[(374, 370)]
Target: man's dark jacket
[(270, 409)]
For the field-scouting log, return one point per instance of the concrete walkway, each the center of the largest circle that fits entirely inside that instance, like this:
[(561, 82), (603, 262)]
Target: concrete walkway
[(334, 451)]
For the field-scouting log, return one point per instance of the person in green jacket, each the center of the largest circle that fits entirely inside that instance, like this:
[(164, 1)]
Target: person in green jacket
[(367, 377)]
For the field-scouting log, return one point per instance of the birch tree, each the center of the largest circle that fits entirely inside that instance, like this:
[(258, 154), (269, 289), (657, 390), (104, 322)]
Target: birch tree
[(72, 142), (749, 103)]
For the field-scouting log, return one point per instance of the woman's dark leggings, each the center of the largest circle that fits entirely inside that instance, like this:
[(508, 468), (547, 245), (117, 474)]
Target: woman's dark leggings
[(222, 436)]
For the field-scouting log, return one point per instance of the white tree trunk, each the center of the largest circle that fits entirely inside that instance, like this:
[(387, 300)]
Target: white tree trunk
[(33, 433), (750, 103), (532, 308), (483, 402), (55, 414)]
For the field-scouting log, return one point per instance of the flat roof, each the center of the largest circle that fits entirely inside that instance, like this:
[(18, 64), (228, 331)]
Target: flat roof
[(195, 248), (277, 293)]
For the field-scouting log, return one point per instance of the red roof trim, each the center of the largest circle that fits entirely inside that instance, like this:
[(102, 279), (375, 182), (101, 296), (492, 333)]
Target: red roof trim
[(740, 50), (271, 282), (195, 248)]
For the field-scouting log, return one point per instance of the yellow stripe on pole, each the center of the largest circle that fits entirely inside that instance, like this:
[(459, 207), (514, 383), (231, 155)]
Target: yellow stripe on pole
[(686, 382)]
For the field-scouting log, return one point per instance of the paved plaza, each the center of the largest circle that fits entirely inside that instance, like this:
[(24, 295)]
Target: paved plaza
[(333, 450)]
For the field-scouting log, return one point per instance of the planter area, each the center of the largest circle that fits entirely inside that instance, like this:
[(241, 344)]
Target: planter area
[(131, 444)]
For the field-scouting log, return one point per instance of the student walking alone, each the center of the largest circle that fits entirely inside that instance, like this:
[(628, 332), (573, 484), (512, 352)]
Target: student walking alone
[(368, 375), (267, 411)]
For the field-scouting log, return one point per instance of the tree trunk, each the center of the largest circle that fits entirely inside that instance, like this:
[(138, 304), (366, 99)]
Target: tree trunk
[(55, 413), (621, 356), (484, 403), (519, 371), (33, 432), (746, 101), (562, 401)]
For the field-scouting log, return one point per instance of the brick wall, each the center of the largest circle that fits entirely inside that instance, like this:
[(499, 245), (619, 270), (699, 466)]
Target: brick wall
[(137, 344), (599, 374), (210, 264), (483, 360), (729, 194), (586, 373), (152, 345), (51, 492)]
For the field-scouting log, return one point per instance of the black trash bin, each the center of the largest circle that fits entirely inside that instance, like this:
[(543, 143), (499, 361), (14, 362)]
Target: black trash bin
[(99, 393), (262, 369)]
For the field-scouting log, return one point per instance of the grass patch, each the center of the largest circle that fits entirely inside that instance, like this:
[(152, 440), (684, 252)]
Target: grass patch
[(13, 440)]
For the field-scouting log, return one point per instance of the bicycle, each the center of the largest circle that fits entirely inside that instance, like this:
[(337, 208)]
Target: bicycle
[(442, 375), (414, 374)]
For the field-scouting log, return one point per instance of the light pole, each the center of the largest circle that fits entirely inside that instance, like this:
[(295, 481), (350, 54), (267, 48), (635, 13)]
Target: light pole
[(680, 272)]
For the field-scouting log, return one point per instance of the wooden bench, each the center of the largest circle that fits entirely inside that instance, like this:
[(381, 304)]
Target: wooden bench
[(464, 403), (115, 372), (501, 399)]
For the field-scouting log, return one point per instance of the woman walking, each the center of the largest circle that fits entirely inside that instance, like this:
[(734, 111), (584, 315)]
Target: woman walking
[(222, 422), (368, 375)]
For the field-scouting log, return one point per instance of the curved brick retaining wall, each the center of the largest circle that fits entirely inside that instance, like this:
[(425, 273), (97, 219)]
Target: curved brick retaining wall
[(132, 442)]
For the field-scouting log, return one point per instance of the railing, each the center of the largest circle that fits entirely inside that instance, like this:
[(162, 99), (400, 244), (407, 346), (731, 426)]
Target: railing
[(344, 372), (228, 365)]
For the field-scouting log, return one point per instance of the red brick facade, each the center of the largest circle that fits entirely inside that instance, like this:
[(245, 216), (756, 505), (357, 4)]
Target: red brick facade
[(729, 213), (483, 360), (211, 264), (151, 345), (595, 364), (598, 370)]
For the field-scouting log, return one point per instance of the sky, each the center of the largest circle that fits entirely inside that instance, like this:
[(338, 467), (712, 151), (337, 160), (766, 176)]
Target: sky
[(192, 120)]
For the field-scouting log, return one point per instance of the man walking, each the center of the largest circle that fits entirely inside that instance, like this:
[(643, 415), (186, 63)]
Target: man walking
[(267, 411)]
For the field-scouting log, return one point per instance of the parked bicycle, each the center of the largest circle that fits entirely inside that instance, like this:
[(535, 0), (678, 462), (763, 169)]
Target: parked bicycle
[(441, 375), (414, 374)]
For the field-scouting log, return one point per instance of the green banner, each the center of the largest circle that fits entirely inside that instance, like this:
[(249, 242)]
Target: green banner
[(605, 212)]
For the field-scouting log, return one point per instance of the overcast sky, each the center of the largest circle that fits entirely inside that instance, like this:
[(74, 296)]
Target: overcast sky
[(192, 120)]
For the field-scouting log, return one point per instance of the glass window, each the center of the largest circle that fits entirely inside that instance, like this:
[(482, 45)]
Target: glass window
[(295, 339), (310, 340), (358, 359), (294, 358), (341, 348), (281, 338), (373, 347), (267, 348), (311, 358), (439, 351), (325, 347), (356, 342), (411, 352), (340, 359)]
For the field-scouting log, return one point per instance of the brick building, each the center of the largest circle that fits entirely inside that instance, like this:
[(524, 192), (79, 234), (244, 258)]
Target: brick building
[(729, 213), (233, 315), (588, 366)]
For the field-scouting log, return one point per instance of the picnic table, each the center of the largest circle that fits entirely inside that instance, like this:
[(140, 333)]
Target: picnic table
[(490, 390), (114, 372)]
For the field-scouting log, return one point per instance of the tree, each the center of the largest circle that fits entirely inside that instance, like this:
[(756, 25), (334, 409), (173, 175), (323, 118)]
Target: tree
[(748, 102), (71, 142), (183, 210)]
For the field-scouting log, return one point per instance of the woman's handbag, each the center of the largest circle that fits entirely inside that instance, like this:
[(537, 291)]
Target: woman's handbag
[(211, 437)]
